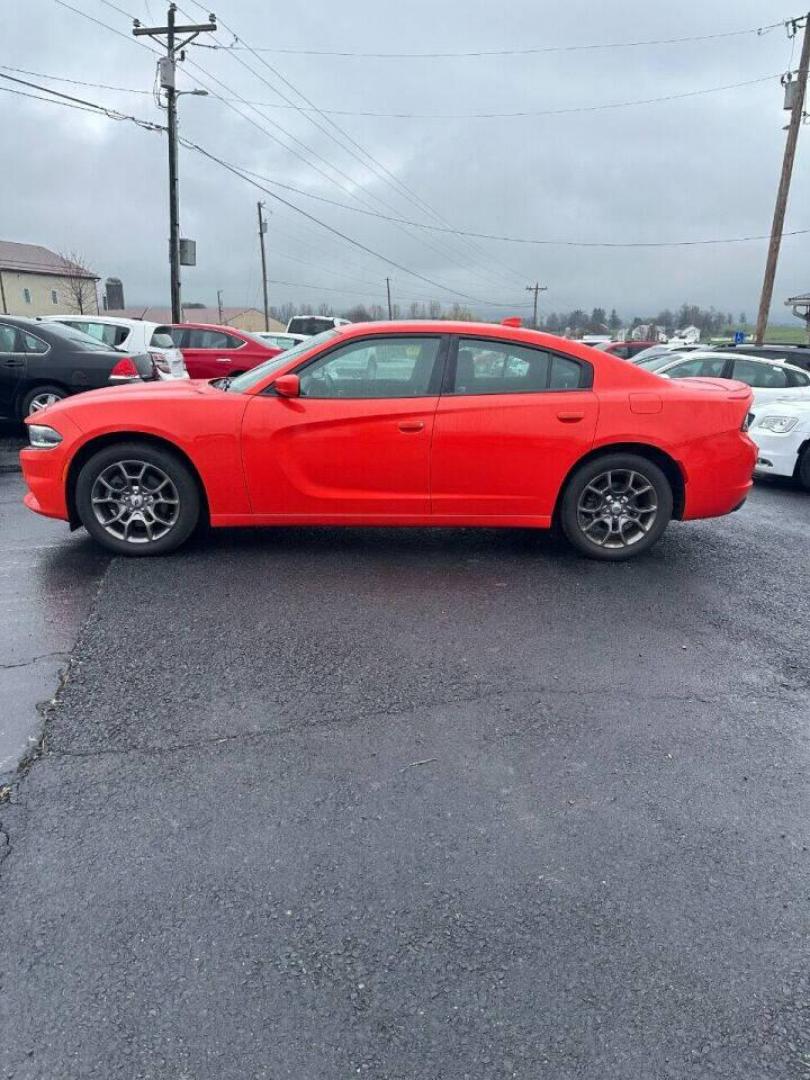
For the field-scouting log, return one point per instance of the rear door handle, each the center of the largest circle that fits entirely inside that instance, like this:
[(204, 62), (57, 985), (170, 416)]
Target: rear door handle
[(13, 363), (223, 360), (570, 417), (412, 425)]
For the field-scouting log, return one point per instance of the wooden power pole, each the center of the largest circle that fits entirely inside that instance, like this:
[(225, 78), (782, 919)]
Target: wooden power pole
[(168, 70), (796, 116), (536, 288), (262, 231)]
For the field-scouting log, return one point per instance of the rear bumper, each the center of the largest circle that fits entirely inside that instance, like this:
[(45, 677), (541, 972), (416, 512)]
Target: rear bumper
[(720, 476)]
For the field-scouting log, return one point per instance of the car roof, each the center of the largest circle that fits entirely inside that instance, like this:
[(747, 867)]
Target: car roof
[(206, 326), (697, 354), (108, 320)]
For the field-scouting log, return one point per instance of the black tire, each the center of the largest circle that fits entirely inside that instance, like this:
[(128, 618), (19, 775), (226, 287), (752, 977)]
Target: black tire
[(38, 392), (803, 468), (177, 502), (639, 514)]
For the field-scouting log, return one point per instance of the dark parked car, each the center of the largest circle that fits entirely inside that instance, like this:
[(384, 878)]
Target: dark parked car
[(798, 355), (43, 362)]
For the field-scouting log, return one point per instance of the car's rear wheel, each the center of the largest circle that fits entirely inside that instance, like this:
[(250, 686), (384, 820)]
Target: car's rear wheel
[(137, 499), (616, 506), (39, 398), (803, 469)]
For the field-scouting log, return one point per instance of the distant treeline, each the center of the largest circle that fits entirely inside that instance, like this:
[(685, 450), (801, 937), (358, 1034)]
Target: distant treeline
[(575, 323)]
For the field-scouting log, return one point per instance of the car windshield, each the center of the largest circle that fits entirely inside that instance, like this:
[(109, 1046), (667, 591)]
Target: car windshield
[(77, 339), (309, 324), (655, 363), (249, 379)]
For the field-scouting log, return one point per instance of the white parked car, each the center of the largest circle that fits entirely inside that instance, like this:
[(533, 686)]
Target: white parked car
[(279, 340), (769, 379), (781, 430), (132, 336), (664, 348)]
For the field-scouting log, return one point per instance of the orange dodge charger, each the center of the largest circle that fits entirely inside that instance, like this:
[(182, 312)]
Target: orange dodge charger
[(402, 423)]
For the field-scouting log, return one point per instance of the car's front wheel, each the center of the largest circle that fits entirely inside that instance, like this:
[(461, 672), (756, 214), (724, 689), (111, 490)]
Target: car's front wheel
[(137, 499), (616, 506)]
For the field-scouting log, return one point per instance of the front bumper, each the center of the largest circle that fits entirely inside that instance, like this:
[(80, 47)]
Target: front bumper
[(777, 454)]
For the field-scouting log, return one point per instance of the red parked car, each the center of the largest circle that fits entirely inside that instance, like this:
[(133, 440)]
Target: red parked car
[(407, 423), (213, 352)]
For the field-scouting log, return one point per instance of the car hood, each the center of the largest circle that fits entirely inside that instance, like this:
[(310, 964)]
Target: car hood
[(148, 392)]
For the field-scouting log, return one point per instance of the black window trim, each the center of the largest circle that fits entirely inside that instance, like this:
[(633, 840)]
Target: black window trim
[(585, 378), (436, 376)]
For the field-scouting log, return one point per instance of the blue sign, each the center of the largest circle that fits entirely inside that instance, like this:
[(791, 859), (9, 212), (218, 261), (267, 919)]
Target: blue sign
[(739, 337)]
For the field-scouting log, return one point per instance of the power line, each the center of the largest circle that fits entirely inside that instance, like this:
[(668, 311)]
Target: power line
[(602, 106), (244, 174), (377, 168), (533, 51)]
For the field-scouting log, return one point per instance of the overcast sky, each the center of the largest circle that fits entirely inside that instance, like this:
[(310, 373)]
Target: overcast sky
[(695, 168)]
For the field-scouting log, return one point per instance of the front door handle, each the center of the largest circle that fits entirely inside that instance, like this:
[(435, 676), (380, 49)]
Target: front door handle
[(412, 425), (13, 363), (223, 360), (570, 417)]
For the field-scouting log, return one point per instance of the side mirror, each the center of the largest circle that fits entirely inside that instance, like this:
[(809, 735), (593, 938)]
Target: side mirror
[(287, 386)]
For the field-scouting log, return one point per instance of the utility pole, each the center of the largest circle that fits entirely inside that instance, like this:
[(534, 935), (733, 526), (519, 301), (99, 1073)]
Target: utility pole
[(796, 116), (536, 288), (168, 71), (219, 306), (388, 288), (262, 231)]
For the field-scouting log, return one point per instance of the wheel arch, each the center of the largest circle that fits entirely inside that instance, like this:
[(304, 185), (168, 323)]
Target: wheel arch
[(86, 451), (668, 466)]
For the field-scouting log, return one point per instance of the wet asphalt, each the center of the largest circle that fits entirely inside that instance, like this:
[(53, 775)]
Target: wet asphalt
[(414, 804)]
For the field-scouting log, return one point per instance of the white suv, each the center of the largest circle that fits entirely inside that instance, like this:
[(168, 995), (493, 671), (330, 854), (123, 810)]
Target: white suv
[(781, 430), (132, 336)]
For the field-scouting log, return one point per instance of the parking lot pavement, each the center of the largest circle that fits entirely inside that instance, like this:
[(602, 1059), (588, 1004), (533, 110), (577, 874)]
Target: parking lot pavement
[(47, 583), (424, 804)]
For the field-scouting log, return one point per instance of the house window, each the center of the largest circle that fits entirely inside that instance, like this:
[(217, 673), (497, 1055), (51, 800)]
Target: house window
[(27, 295), (54, 297)]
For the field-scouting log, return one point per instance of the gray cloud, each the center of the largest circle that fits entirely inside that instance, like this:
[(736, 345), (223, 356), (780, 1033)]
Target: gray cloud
[(699, 167)]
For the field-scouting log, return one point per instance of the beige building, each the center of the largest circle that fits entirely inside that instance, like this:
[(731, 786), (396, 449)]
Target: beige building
[(242, 318), (36, 281)]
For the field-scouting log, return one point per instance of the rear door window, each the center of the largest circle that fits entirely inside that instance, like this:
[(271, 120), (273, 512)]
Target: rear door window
[(699, 367), (162, 338), (210, 339), (762, 376)]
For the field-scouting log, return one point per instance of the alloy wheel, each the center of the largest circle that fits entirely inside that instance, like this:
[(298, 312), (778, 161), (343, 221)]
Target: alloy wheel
[(617, 508), (42, 401), (135, 501)]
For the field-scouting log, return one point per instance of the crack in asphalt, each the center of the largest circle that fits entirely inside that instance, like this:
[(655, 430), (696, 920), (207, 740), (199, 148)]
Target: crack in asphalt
[(34, 660), (549, 693)]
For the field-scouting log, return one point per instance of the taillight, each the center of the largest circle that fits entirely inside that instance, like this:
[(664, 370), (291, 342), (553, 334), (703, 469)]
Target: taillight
[(125, 369), (748, 420), (160, 361)]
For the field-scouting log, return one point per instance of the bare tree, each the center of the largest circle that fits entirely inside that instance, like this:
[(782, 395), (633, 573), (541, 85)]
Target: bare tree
[(78, 284)]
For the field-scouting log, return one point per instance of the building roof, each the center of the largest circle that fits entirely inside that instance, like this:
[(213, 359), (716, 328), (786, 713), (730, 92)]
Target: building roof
[(34, 259), (192, 315)]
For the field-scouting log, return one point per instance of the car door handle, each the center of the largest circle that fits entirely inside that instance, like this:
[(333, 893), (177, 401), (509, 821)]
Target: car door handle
[(13, 363), (412, 425), (223, 360), (570, 417)]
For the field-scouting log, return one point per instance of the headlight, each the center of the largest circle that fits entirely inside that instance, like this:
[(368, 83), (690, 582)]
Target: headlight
[(778, 424), (43, 437)]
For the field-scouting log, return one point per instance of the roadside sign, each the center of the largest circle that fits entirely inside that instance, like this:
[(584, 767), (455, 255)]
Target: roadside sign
[(739, 337)]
